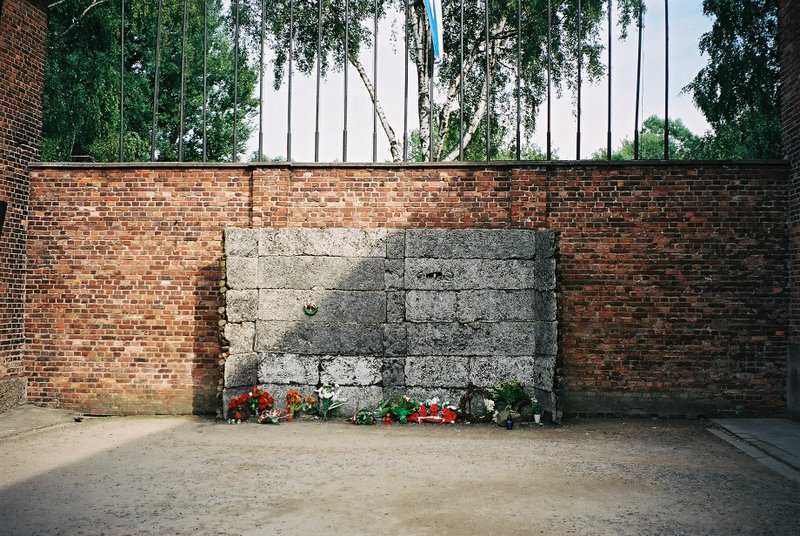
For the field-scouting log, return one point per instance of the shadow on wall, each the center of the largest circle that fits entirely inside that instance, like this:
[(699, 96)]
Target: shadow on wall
[(205, 372), (423, 312)]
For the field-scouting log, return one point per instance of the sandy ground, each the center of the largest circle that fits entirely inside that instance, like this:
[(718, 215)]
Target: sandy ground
[(196, 476)]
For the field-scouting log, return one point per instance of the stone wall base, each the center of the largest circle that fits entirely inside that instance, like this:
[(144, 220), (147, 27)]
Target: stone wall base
[(12, 393)]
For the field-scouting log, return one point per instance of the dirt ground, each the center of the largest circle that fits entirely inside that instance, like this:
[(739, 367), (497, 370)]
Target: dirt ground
[(184, 475)]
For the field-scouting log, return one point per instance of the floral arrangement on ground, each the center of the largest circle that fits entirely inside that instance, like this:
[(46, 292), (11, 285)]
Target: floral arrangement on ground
[(503, 404)]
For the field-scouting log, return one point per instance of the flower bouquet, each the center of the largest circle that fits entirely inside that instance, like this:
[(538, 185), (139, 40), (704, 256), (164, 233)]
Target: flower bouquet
[(251, 403), (330, 398)]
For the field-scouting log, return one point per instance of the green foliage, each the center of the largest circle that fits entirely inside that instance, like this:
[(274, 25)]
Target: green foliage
[(738, 91), (510, 395), (81, 103), (683, 144)]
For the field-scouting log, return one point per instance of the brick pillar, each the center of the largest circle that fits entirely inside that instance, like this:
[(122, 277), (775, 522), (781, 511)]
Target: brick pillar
[(23, 32), (790, 69)]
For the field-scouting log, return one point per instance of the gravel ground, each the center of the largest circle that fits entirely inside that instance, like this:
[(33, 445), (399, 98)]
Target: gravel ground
[(185, 475)]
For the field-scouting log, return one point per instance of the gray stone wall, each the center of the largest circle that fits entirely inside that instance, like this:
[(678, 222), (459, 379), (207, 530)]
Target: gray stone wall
[(426, 312)]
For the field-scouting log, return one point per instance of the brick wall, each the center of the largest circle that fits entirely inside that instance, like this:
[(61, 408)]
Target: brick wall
[(671, 277), (22, 41), (790, 97)]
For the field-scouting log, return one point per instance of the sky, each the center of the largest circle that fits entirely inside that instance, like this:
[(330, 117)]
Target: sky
[(687, 24)]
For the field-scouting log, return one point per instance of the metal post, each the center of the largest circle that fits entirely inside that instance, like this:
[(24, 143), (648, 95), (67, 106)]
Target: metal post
[(122, 82), (291, 73), (205, 77), (666, 79), (430, 102), (261, 84), (549, 81), (319, 63), (488, 90), (610, 36), (234, 156), (345, 69), (183, 80), (519, 86), (405, 91), (580, 68), (375, 84), (461, 89), (638, 87), (154, 130)]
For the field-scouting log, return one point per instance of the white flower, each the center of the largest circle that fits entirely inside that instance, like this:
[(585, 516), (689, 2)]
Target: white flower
[(489, 405), (433, 401)]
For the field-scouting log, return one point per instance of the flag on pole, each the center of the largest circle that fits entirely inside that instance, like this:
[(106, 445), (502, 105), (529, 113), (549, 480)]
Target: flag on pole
[(433, 8)]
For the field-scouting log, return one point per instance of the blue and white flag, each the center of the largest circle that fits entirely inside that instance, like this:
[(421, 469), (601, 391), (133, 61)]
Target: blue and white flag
[(433, 8)]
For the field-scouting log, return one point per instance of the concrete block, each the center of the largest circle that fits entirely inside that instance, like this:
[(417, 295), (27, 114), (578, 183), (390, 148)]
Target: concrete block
[(319, 338), (393, 371), (241, 305), (532, 371), (394, 276), (333, 273), (505, 305), (350, 370), (431, 306), (545, 244), (496, 338), (437, 371), (395, 306), (241, 272), (394, 340), (471, 243), (357, 398), (241, 370), (286, 368), (332, 305), (546, 338), (396, 244), (241, 242), (240, 337), (476, 274), (330, 242)]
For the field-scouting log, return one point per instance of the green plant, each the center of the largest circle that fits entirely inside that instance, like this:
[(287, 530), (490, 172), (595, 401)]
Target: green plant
[(510, 395)]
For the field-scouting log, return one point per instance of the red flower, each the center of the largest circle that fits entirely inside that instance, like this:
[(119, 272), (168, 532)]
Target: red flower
[(423, 411), (448, 415), (434, 410), (414, 417)]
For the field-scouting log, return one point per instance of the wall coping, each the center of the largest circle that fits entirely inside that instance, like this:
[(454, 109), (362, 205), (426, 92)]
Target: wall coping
[(504, 164)]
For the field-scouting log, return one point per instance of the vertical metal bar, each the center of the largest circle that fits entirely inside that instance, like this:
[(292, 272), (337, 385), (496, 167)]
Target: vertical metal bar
[(549, 80), (610, 37), (319, 64), (488, 87), (154, 129), (261, 83), (666, 79), (461, 88), (375, 84), (519, 85), (430, 102), (580, 69), (183, 80), (345, 69), (405, 91), (291, 73), (638, 87), (122, 82), (234, 156), (205, 76)]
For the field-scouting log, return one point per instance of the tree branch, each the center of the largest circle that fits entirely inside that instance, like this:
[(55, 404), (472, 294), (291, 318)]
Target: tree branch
[(76, 21), (387, 128)]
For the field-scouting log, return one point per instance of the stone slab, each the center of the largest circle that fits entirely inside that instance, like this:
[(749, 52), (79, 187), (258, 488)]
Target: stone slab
[(241, 305), (532, 371), (471, 243), (358, 398), (241, 272), (481, 338), (332, 273), (241, 370), (395, 306), (332, 305), (332, 242), (241, 242), (317, 338), (437, 371), (350, 370), (393, 277), (479, 305), (394, 340), (287, 368), (396, 244), (240, 337), (393, 371), (475, 274)]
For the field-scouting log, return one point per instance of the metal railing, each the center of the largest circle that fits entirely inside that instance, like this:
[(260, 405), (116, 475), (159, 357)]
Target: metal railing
[(405, 8)]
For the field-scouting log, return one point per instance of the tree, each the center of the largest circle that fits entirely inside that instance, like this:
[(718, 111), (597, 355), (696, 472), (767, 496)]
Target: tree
[(81, 98), (683, 144), (502, 53), (738, 91)]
